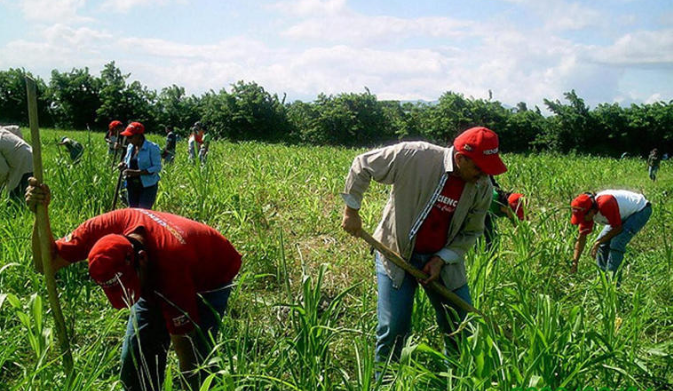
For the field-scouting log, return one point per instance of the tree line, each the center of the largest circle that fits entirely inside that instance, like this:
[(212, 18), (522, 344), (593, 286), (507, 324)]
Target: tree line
[(78, 100)]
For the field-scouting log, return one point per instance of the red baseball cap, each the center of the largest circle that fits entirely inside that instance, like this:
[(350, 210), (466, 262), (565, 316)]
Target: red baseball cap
[(515, 201), (111, 266), (481, 145), (580, 206), (114, 124), (133, 129)]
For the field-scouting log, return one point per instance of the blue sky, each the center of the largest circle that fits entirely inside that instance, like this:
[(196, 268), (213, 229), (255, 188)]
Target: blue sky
[(523, 50)]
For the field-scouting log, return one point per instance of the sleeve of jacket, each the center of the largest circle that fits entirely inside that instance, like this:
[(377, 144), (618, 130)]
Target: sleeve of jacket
[(381, 165), (127, 157), (155, 159), (473, 228)]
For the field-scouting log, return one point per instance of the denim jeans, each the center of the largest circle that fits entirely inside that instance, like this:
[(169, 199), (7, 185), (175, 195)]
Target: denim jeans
[(652, 171), (611, 254), (142, 197), (147, 340), (395, 307)]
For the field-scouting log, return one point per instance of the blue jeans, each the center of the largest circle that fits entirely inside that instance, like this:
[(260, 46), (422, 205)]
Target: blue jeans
[(611, 254), (652, 171), (141, 197), (395, 307), (147, 340)]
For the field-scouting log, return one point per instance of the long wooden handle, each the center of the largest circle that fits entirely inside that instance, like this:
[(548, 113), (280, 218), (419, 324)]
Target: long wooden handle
[(43, 231), (434, 285)]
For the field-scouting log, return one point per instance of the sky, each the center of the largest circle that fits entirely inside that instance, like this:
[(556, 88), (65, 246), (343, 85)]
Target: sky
[(608, 51)]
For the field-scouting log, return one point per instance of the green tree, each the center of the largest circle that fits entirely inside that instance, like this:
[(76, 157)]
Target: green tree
[(76, 97), (13, 101)]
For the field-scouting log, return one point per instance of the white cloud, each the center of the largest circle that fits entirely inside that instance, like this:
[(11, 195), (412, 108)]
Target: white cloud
[(311, 7), (639, 48), (62, 11), (124, 6)]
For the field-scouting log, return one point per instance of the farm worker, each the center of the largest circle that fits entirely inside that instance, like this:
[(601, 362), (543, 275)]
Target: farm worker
[(141, 167), (169, 150), (653, 161), (435, 214), (75, 149), (203, 151), (15, 129), (623, 212), (112, 136), (175, 275), (503, 204), (195, 137), (16, 164)]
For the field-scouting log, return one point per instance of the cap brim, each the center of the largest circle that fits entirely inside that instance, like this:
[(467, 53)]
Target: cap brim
[(576, 218), (491, 165), (126, 134), (123, 295)]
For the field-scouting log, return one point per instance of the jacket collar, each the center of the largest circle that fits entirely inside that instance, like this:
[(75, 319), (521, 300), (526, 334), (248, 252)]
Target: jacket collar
[(448, 159)]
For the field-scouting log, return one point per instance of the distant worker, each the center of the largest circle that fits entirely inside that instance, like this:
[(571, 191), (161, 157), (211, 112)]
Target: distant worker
[(171, 141), (653, 162), (141, 167), (112, 136), (195, 140), (75, 149), (175, 274), (624, 214), (205, 145), (503, 204), (434, 216), (16, 164)]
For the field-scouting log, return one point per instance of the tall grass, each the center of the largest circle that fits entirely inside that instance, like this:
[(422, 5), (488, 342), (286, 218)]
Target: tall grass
[(303, 313)]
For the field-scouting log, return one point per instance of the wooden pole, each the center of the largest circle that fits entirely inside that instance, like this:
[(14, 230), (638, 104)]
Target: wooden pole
[(43, 232), (434, 285)]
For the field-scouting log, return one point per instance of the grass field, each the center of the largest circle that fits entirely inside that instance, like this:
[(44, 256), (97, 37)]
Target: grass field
[(303, 313)]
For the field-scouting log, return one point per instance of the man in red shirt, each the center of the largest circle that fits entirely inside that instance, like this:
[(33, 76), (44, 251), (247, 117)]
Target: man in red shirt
[(434, 216), (174, 274), (623, 213)]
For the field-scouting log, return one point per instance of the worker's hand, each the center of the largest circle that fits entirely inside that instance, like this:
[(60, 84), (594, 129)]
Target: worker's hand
[(594, 249), (121, 166), (131, 173), (352, 223), (37, 193), (433, 269)]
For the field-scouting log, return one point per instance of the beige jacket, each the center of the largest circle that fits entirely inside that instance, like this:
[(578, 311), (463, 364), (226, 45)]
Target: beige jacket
[(417, 172), (17, 156)]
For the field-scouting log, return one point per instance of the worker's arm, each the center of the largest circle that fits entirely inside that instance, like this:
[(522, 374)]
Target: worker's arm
[(184, 346), (606, 239), (580, 243), (40, 194)]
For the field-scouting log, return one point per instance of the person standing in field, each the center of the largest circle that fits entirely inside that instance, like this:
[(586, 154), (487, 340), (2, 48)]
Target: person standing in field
[(434, 215), (141, 167), (75, 149), (653, 161), (624, 214), (171, 141), (205, 145), (16, 164), (195, 140), (503, 204), (112, 136), (174, 274)]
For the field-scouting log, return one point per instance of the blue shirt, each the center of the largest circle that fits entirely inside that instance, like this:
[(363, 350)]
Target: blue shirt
[(149, 158)]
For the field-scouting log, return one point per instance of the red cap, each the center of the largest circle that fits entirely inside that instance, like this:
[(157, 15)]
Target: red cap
[(481, 145), (111, 266), (133, 129), (580, 205), (515, 201), (114, 124)]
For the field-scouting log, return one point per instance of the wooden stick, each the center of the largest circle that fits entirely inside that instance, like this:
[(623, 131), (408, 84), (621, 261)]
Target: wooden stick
[(434, 285), (43, 232)]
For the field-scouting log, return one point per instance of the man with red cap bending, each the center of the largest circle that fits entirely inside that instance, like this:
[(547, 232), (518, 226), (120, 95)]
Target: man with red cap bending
[(175, 274), (623, 213), (435, 214)]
